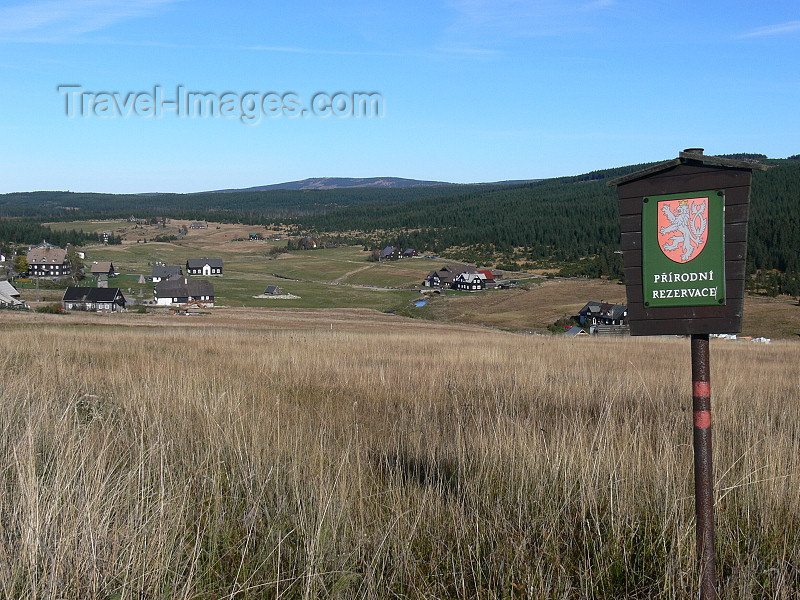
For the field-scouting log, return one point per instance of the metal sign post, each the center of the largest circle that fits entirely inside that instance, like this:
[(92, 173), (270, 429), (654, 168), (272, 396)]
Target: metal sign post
[(684, 244)]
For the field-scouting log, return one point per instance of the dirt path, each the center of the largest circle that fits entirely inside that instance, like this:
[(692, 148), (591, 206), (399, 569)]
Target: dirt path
[(358, 270)]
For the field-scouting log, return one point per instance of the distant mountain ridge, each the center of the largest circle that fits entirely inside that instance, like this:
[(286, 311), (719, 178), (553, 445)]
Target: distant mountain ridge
[(332, 183)]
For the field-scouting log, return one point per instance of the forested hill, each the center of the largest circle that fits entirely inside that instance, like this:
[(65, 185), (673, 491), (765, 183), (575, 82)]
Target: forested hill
[(332, 183), (565, 218), (560, 219)]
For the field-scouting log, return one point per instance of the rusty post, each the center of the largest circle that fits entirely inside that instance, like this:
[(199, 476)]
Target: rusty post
[(703, 472)]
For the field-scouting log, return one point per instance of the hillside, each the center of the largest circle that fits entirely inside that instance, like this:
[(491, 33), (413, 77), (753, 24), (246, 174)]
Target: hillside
[(332, 183), (550, 223)]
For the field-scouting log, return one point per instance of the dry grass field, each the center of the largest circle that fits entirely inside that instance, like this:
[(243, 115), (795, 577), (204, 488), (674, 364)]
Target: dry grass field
[(349, 454)]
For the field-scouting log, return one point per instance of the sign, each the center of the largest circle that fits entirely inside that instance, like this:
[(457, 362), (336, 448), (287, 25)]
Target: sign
[(683, 249)]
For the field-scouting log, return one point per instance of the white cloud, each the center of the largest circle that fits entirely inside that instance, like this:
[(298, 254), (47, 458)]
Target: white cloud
[(768, 30), (50, 20)]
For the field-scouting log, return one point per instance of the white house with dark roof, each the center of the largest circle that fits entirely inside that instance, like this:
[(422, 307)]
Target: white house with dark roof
[(161, 272), (182, 291), (205, 267)]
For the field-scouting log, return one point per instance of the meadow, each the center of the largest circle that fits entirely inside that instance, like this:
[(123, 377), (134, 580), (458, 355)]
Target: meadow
[(350, 454)]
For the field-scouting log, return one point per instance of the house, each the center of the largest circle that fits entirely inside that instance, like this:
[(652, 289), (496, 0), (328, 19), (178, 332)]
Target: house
[(184, 291), (255, 237), (45, 260), (307, 243), (94, 299), (103, 268), (198, 225), (409, 252), (389, 253), (273, 290), (603, 313), (162, 272), (204, 266), (9, 296), (445, 277), (470, 282)]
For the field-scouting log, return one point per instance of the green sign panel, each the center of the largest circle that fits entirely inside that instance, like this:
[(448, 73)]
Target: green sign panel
[(683, 249)]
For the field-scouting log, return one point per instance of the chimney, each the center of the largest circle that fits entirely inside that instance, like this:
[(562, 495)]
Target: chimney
[(694, 150)]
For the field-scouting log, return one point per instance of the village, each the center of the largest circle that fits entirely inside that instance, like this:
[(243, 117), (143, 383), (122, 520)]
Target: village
[(190, 285)]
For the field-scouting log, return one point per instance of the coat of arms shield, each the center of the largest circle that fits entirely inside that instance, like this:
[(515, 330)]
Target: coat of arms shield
[(682, 228)]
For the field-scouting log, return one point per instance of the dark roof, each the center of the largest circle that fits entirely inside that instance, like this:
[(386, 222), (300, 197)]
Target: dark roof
[(603, 309), (273, 289), (180, 288), (166, 271), (198, 263), (573, 331), (388, 251), (692, 156), (90, 294)]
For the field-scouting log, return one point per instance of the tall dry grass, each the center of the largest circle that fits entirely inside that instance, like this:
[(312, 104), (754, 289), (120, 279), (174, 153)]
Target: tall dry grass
[(231, 463)]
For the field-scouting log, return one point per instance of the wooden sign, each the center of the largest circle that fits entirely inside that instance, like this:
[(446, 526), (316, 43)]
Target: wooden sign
[(684, 244)]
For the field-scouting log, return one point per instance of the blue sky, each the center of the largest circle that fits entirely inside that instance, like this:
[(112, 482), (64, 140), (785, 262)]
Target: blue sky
[(472, 90)]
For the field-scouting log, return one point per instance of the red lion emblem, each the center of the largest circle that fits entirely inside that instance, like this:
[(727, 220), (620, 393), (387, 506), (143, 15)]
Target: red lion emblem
[(682, 228)]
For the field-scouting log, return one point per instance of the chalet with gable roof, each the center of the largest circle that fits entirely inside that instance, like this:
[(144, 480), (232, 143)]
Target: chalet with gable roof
[(471, 282), (103, 268), (9, 296), (45, 260), (182, 292), (389, 253), (162, 272), (205, 267), (446, 276), (603, 313), (94, 299)]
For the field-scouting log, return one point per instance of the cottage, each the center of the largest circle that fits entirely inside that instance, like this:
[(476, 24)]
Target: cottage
[(255, 237), (603, 313), (273, 290), (445, 277), (94, 299), (9, 296), (409, 253), (206, 267), (183, 292), (198, 225), (45, 260), (103, 268), (389, 253), (162, 272), (470, 282)]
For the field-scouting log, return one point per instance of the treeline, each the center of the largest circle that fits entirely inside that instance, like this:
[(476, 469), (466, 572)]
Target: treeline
[(252, 207), (571, 221), (25, 231)]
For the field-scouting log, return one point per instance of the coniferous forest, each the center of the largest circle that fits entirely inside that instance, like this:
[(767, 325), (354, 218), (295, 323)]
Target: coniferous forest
[(568, 221)]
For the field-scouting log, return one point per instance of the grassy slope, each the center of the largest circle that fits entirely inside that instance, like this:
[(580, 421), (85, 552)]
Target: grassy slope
[(336, 278), (349, 454)]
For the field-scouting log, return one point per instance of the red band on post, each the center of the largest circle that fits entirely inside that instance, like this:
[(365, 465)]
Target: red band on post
[(702, 419), (701, 389)]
